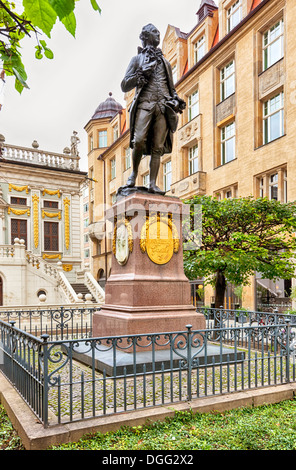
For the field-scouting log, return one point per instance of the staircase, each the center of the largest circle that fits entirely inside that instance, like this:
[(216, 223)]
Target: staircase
[(81, 288)]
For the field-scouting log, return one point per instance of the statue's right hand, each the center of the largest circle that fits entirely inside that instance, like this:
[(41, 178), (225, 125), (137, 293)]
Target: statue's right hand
[(147, 68)]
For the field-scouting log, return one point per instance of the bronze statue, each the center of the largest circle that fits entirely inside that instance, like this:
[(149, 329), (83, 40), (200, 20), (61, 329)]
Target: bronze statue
[(155, 108)]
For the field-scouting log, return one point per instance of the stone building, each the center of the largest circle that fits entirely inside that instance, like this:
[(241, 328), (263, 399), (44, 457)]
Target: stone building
[(236, 71), (40, 227)]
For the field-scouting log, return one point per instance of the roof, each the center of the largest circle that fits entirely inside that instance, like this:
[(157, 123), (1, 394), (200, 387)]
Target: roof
[(107, 109)]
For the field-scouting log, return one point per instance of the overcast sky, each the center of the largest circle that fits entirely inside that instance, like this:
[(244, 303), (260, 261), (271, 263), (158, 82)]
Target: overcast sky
[(64, 92)]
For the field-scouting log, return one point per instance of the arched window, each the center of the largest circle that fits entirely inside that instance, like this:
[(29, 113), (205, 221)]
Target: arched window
[(101, 278)]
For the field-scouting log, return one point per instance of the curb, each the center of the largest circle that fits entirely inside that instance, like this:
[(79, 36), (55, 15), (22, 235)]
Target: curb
[(35, 437)]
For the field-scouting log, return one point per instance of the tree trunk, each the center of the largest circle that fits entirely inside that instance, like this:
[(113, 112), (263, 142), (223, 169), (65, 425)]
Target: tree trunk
[(220, 287)]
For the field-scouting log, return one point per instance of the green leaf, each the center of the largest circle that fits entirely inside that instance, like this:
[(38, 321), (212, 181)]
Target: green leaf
[(38, 54), (48, 53), (41, 14), (70, 23), (21, 76), (95, 6), (62, 7)]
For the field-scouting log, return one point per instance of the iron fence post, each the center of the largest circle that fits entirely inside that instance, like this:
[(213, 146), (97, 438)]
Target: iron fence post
[(44, 353), (288, 329), (12, 350), (189, 362)]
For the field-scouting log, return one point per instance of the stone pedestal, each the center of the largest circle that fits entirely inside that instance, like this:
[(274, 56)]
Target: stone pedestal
[(147, 291)]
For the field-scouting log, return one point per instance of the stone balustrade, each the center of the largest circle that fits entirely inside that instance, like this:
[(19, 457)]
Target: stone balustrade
[(40, 157)]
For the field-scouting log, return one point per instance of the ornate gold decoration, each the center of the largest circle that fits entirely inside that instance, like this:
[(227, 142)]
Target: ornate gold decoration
[(123, 242), (51, 192), (46, 256), (51, 214), (18, 188), (67, 222), (67, 267), (35, 200), (159, 238), (18, 211)]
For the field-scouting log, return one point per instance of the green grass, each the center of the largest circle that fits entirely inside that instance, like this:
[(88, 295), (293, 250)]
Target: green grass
[(268, 427), (9, 439)]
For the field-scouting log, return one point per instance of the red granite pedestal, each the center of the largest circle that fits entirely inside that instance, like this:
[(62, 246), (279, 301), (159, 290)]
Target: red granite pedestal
[(145, 295)]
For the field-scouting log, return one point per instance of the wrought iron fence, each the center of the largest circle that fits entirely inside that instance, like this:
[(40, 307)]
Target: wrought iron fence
[(221, 317), (59, 323), (67, 380)]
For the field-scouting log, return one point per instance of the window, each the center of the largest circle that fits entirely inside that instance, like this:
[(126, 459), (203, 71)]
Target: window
[(86, 238), (51, 204), (228, 143), (127, 158), (19, 230), (146, 180), (193, 159), (273, 186), (91, 142), (22, 201), (113, 198), (85, 207), (199, 49), (234, 15), (113, 168), (86, 253), (102, 139), (86, 222), (227, 80), (273, 118), (51, 236), (273, 44), (167, 175), (174, 72), (115, 132), (261, 187), (193, 105)]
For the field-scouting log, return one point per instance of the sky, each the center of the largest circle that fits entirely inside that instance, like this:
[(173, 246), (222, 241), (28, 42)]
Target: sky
[(64, 92)]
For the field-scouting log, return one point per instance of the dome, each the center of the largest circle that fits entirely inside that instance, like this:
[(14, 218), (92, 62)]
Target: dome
[(107, 109)]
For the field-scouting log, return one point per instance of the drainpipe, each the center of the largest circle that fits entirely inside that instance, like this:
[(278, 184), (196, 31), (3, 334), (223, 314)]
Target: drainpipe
[(104, 184)]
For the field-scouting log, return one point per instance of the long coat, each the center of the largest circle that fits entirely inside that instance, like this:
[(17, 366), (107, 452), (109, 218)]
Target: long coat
[(130, 81)]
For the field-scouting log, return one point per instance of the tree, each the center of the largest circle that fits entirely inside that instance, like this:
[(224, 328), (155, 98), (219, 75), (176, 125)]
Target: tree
[(37, 17), (239, 237)]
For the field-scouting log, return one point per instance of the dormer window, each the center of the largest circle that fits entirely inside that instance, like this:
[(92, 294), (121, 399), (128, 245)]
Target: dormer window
[(199, 49), (234, 15)]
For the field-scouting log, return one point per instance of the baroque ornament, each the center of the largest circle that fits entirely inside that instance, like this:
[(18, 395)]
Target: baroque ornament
[(18, 211), (67, 222), (35, 200), (51, 192), (18, 188), (122, 241), (51, 214), (159, 238)]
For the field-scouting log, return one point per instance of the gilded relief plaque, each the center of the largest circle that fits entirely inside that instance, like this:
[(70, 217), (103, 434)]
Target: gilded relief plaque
[(159, 239)]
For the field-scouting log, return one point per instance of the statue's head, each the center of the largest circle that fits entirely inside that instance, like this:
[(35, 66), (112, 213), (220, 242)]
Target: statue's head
[(150, 35)]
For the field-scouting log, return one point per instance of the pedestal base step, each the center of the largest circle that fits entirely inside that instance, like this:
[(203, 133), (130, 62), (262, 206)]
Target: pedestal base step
[(143, 361)]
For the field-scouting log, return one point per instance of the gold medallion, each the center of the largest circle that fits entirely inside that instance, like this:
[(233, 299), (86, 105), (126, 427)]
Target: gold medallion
[(159, 239)]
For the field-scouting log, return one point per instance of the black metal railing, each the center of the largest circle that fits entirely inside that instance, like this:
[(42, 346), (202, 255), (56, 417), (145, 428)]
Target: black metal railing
[(58, 323), (72, 379)]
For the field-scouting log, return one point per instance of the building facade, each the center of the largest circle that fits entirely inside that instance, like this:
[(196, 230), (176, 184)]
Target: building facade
[(236, 71), (40, 225)]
